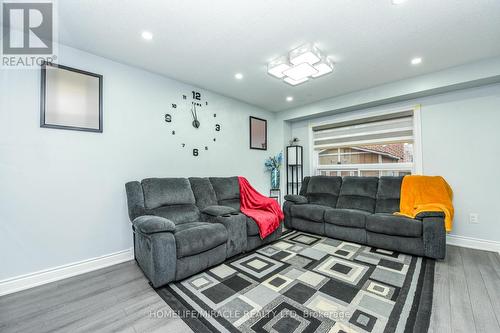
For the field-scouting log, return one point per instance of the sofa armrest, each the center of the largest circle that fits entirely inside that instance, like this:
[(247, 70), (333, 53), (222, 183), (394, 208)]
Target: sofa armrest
[(434, 237), (150, 224), (219, 211), (236, 225), (296, 199), (423, 215)]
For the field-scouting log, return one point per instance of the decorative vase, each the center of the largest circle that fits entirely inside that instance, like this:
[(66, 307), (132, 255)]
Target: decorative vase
[(275, 178)]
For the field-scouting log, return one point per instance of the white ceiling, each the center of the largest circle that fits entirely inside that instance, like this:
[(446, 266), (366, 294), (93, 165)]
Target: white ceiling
[(205, 43)]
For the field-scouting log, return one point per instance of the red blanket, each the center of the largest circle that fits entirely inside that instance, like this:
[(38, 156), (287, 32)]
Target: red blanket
[(265, 211)]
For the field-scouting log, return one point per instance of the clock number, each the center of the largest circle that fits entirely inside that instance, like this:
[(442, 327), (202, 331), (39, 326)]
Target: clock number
[(174, 106), (173, 132), (168, 118), (183, 145), (184, 97), (217, 128), (215, 139), (206, 148), (215, 115), (206, 103), (195, 152), (196, 95)]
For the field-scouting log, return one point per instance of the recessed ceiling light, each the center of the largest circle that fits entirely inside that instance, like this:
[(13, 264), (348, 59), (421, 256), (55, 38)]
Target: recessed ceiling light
[(398, 2), (147, 35), (289, 99), (416, 61), (238, 76)]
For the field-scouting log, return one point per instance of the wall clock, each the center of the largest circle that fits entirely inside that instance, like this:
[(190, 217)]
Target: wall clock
[(190, 118)]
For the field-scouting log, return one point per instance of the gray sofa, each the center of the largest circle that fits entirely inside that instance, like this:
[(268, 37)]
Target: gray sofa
[(360, 209), (183, 226)]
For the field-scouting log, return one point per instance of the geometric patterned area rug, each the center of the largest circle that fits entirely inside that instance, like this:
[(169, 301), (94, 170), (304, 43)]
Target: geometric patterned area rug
[(308, 283)]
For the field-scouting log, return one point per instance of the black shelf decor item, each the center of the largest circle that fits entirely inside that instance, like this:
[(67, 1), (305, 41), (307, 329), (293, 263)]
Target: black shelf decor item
[(294, 168)]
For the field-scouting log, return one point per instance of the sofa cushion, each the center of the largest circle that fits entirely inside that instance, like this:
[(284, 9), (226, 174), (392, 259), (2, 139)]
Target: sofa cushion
[(252, 227), (388, 194), (358, 193), (227, 191), (394, 225), (226, 187), (346, 217), (323, 190), (309, 212), (203, 192), (197, 237), (166, 191)]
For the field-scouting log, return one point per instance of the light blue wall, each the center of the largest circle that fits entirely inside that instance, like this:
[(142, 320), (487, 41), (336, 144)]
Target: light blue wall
[(62, 196), (460, 141)]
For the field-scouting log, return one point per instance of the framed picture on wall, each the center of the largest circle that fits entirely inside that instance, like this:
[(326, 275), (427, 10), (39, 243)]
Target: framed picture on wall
[(70, 99), (258, 133)]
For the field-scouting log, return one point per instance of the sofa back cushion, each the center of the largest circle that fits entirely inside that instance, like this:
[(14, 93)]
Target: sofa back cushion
[(171, 198), (227, 191), (323, 190), (358, 193), (388, 194), (203, 191), (167, 191)]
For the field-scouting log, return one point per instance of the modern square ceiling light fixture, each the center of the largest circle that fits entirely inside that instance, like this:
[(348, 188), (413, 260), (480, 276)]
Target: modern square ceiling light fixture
[(301, 64)]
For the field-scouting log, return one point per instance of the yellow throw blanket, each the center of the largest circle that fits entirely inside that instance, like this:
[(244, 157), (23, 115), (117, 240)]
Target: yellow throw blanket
[(426, 194)]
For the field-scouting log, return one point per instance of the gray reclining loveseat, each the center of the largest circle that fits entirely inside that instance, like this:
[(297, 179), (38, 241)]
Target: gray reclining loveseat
[(183, 226), (360, 209)]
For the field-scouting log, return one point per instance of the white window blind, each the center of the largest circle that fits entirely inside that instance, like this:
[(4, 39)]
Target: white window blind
[(392, 128), (367, 146)]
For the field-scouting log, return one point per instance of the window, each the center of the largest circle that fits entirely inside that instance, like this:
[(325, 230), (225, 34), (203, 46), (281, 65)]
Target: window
[(381, 144)]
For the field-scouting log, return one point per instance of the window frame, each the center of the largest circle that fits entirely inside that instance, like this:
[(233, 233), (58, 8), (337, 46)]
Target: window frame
[(416, 166)]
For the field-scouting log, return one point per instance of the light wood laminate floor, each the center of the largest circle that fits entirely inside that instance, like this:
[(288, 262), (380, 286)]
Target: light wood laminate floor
[(119, 299)]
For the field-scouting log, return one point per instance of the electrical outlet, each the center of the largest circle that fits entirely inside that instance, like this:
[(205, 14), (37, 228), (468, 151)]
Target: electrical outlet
[(474, 218)]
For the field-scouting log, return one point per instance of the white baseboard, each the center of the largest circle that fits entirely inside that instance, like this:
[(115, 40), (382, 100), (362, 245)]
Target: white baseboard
[(31, 280), (473, 243)]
